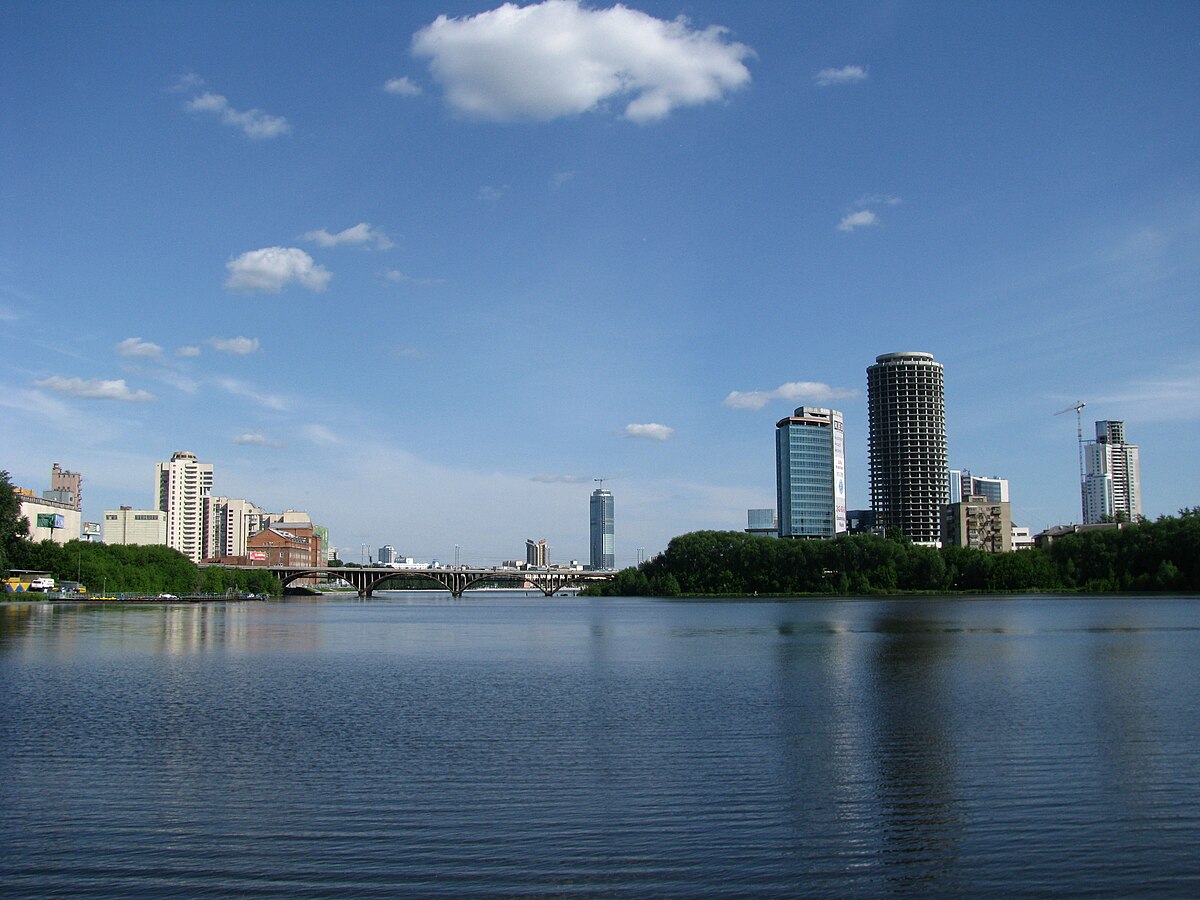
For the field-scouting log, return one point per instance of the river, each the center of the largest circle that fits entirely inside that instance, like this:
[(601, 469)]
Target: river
[(412, 744)]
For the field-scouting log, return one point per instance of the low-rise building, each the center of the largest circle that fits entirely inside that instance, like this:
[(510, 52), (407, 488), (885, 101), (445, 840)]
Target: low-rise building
[(49, 520), (143, 527), (978, 523)]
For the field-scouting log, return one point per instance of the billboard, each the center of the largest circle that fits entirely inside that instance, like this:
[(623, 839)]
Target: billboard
[(258, 556), (50, 520), (839, 473)]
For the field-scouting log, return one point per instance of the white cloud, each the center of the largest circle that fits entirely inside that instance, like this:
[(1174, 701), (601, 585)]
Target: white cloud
[(253, 439), (397, 277), (858, 219), (650, 431), (558, 58), (253, 122), (241, 389), (189, 81), (94, 389), (271, 269), (362, 233), (403, 86), (188, 351), (811, 392), (844, 75), (319, 434), (238, 346), (136, 348)]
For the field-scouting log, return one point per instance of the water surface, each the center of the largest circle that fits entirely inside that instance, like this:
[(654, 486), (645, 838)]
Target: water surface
[(502, 744)]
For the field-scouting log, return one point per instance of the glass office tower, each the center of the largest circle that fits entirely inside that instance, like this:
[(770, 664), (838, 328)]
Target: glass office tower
[(906, 444), (604, 550), (810, 473)]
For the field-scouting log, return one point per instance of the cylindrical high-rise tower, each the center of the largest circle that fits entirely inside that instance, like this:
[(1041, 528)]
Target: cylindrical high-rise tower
[(907, 443)]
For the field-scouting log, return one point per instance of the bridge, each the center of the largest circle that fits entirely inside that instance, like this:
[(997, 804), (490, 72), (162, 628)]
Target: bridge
[(455, 579)]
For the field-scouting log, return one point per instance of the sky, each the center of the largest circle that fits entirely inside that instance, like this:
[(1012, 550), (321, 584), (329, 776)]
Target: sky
[(427, 269)]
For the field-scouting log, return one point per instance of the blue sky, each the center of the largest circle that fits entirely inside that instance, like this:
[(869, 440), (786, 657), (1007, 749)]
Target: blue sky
[(427, 269)]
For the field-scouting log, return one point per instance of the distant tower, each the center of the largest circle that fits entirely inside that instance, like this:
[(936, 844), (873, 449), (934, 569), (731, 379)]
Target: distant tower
[(1112, 487), (62, 480), (537, 553), (907, 443), (180, 491), (604, 551), (810, 473)]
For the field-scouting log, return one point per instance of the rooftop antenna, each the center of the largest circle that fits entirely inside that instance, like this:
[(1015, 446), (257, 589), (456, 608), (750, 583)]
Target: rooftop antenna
[(601, 481), (1078, 407)]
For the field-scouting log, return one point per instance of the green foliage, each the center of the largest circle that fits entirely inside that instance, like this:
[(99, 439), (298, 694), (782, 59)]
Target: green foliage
[(12, 526), (1143, 556)]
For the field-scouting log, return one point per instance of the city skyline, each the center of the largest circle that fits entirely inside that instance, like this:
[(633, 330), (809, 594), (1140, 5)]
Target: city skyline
[(308, 244)]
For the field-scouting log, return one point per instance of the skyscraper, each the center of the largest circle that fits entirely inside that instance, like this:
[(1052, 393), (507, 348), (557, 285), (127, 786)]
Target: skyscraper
[(604, 550), (810, 473), (907, 443), (180, 489), (1112, 487), (537, 553)]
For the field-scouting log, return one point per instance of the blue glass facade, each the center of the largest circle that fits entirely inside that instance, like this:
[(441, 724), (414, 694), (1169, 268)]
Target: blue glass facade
[(810, 473), (604, 551)]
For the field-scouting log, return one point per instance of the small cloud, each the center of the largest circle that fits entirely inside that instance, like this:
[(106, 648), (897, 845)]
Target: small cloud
[(858, 219), (403, 86), (397, 277), (241, 389), (650, 431), (254, 123), (238, 346), (560, 479), (844, 75), (136, 348), (489, 194), (253, 439), (877, 200), (319, 434), (558, 179), (559, 58), (271, 269), (189, 81), (362, 233), (792, 391), (188, 351), (94, 389)]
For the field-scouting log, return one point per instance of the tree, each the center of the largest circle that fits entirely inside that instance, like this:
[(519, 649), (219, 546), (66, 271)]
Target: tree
[(13, 526)]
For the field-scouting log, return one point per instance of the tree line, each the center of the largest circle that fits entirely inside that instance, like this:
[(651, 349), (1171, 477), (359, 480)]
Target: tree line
[(1163, 555)]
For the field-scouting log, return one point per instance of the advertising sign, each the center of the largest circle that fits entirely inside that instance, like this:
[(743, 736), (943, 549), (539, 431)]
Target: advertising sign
[(839, 474), (50, 520), (258, 556)]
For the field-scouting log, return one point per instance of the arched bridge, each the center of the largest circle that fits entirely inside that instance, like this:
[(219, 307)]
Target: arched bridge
[(455, 579)]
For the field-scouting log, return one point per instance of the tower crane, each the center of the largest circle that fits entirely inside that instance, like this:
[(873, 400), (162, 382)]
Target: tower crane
[(1078, 407)]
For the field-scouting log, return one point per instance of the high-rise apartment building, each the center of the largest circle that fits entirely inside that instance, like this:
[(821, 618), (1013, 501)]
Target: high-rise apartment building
[(1112, 485), (180, 491), (387, 555), (537, 553), (810, 473), (229, 522), (604, 547), (907, 443)]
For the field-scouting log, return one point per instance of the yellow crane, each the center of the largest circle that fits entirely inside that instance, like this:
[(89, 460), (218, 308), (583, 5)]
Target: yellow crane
[(1078, 407)]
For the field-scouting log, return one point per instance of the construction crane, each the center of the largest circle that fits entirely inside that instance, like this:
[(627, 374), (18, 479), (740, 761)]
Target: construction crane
[(1078, 407), (601, 481)]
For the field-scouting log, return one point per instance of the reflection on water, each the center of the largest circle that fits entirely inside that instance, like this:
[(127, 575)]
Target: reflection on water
[(509, 745)]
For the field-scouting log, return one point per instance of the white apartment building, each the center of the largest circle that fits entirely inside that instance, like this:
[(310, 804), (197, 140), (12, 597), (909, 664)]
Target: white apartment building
[(229, 522), (181, 488), (1112, 485)]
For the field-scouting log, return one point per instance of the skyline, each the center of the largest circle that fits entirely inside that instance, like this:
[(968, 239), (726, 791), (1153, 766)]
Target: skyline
[(366, 266)]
